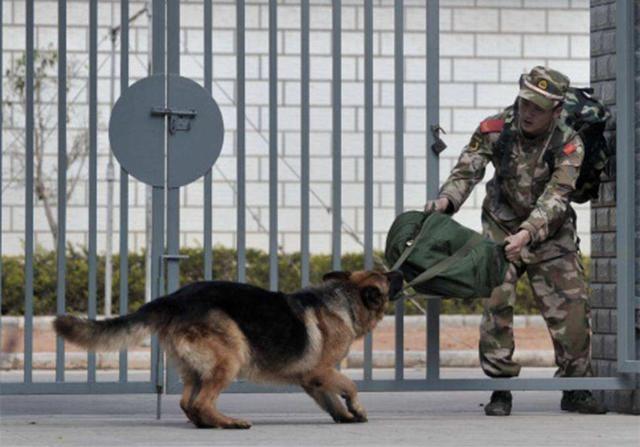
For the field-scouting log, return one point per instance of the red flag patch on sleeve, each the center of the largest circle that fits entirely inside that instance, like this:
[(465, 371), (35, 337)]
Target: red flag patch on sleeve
[(569, 149), (488, 126)]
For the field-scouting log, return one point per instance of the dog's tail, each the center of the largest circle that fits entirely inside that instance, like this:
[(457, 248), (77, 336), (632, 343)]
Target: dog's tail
[(105, 335)]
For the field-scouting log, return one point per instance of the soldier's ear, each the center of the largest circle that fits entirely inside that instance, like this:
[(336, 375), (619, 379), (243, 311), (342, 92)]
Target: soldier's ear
[(337, 275), (558, 110)]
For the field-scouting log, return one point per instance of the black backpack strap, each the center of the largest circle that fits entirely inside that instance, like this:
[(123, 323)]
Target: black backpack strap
[(501, 147)]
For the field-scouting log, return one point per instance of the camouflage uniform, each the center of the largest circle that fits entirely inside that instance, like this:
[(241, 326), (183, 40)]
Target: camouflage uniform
[(525, 195)]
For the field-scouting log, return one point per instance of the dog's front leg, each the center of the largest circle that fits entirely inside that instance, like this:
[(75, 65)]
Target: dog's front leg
[(329, 402), (327, 387), (343, 386)]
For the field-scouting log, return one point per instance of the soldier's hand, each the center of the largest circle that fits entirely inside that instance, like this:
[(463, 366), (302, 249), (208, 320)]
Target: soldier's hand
[(515, 244), (439, 205)]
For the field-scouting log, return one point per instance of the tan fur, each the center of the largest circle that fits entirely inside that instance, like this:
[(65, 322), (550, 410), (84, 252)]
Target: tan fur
[(213, 351), (87, 334), (331, 332)]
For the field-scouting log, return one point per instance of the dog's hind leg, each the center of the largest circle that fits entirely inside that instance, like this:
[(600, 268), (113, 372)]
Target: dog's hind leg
[(203, 406), (191, 387)]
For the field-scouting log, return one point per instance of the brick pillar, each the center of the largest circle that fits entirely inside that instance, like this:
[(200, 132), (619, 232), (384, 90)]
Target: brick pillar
[(603, 213)]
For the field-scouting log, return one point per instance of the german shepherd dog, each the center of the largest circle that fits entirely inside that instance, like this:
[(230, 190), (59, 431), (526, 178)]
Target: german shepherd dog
[(216, 331)]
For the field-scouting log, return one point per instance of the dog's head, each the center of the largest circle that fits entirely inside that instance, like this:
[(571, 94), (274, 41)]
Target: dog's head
[(371, 291)]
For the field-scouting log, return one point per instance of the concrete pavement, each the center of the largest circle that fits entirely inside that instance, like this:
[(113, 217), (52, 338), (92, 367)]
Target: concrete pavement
[(398, 419)]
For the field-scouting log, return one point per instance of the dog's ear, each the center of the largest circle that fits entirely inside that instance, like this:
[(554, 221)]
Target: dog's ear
[(372, 297), (337, 275)]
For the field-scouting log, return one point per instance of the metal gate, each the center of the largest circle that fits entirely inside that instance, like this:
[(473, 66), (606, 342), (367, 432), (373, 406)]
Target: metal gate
[(166, 200)]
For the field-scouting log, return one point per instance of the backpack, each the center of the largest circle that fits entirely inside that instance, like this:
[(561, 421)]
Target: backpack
[(587, 117), (438, 256)]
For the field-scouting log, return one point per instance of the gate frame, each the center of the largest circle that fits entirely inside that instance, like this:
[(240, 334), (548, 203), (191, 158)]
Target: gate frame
[(166, 200)]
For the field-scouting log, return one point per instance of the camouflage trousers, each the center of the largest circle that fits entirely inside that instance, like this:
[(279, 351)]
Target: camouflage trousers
[(559, 290)]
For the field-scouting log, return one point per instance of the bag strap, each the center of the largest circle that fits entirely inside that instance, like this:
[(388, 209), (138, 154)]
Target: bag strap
[(407, 251)]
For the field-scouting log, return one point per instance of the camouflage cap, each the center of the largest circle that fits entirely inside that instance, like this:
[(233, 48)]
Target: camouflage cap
[(544, 87)]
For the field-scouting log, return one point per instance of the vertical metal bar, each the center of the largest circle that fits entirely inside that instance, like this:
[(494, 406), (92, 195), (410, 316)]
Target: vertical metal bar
[(398, 33), (173, 197), (368, 165), (304, 143), (28, 224), (93, 171), (207, 177), (433, 106), (336, 103), (273, 144), (625, 184), (172, 194), (62, 180), (124, 188), (158, 199), (1, 152), (240, 141), (157, 283)]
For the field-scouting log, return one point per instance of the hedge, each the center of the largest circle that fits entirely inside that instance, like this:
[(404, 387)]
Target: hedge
[(191, 269)]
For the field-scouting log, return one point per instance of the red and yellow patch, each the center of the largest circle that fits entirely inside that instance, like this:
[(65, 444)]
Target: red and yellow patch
[(569, 148), (488, 126)]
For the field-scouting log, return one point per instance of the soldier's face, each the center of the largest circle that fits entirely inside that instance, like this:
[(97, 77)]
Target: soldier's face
[(533, 119)]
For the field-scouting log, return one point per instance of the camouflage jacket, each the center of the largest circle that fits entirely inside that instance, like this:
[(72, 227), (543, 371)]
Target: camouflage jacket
[(523, 193)]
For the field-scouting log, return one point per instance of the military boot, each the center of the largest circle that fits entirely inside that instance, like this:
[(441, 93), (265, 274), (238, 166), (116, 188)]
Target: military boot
[(500, 404), (581, 401)]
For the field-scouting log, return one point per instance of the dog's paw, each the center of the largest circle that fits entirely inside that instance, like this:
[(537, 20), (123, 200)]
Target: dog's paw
[(359, 416), (350, 418), (358, 412), (236, 423), (222, 423)]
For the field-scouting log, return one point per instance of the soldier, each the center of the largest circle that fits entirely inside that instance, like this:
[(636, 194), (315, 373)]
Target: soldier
[(527, 207)]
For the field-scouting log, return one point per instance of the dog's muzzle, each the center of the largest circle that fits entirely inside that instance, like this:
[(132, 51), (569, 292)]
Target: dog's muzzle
[(395, 284)]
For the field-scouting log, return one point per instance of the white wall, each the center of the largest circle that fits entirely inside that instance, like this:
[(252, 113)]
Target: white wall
[(485, 45)]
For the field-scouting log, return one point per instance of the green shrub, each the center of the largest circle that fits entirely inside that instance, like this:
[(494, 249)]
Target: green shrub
[(76, 284)]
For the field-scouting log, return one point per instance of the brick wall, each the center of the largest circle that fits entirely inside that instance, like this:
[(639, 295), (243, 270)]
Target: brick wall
[(603, 213), (485, 45)]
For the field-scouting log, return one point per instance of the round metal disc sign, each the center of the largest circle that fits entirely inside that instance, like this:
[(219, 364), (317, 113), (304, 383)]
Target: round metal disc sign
[(194, 135)]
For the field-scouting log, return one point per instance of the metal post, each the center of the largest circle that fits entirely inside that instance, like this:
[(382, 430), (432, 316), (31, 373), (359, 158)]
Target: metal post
[(240, 140), (304, 143), (336, 133), (433, 169), (62, 180), (93, 174), (124, 192), (208, 261), (273, 145), (1, 152), (148, 189), (108, 266), (368, 166), (28, 192), (399, 164), (625, 187), (158, 201)]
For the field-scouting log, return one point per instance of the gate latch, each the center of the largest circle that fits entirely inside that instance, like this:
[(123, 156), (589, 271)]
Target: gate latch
[(178, 119)]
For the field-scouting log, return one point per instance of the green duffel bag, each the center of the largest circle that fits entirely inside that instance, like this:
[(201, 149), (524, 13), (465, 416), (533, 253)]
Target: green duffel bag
[(438, 256)]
